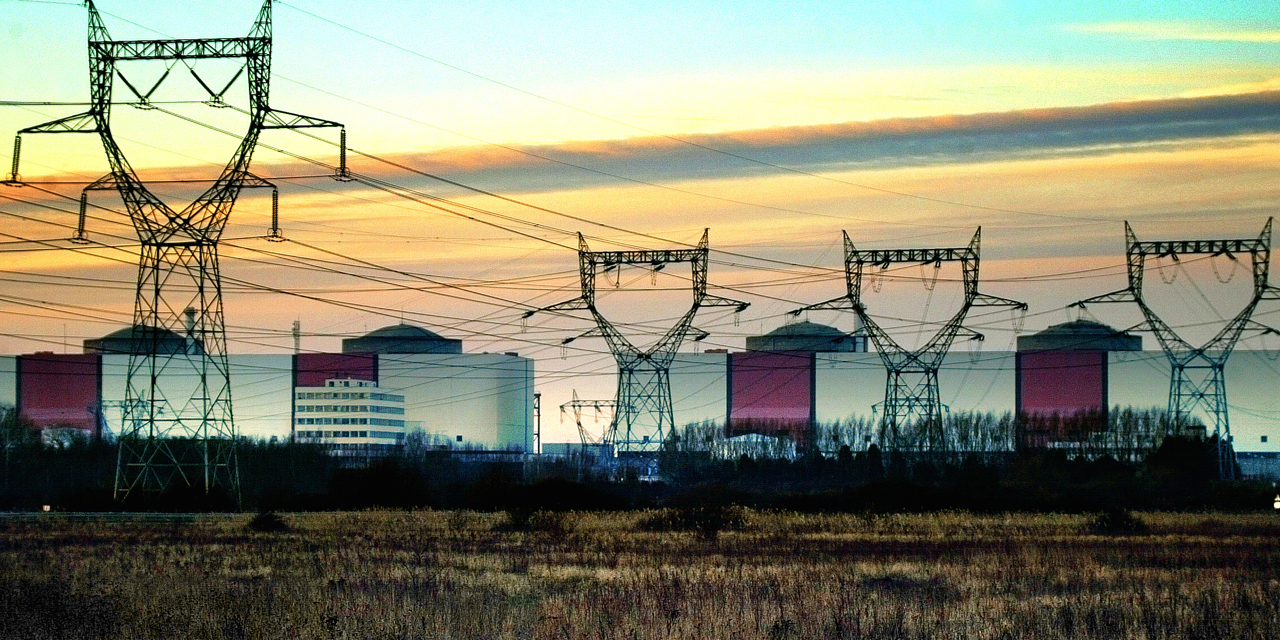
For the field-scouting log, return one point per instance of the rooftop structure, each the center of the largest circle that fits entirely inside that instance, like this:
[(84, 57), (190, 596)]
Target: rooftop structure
[(808, 336), (1080, 335), (143, 339), (401, 338)]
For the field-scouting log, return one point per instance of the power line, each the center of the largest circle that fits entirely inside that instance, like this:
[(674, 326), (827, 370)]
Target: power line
[(677, 139)]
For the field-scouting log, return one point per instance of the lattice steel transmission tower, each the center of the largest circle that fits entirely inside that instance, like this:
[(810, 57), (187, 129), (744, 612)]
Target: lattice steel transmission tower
[(1197, 381), (911, 399), (178, 424), (642, 410), (577, 405)]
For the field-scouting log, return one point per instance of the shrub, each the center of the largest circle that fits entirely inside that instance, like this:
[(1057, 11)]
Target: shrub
[(707, 521), (1117, 521), (554, 523), (268, 522)]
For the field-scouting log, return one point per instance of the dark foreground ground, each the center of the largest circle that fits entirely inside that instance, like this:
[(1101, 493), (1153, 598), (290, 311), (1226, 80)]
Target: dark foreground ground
[(697, 573)]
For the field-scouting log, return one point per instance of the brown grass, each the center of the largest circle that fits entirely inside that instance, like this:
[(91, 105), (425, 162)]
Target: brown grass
[(432, 574)]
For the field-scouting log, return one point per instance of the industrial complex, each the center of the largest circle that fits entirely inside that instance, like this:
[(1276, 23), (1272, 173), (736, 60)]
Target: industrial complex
[(170, 376), (404, 378)]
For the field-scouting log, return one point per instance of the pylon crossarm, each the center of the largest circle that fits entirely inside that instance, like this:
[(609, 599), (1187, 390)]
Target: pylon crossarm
[(277, 119), (590, 333), (987, 300), (179, 49), (86, 122), (109, 182), (717, 301), (843, 303), (1254, 325), (576, 304), (1123, 295)]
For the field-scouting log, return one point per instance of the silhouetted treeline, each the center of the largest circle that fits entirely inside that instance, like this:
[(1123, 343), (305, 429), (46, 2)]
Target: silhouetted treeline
[(78, 474)]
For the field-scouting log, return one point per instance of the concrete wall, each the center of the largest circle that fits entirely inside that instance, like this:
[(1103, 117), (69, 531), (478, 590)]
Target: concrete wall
[(1141, 379), (849, 384), (8, 381), (1253, 380), (1138, 379), (487, 399), (698, 387), (261, 392)]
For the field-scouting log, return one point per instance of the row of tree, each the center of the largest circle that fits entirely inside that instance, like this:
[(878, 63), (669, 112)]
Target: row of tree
[(1130, 465), (1123, 433)]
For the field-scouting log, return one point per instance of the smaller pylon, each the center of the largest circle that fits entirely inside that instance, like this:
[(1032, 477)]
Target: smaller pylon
[(600, 407), (1197, 382), (911, 399)]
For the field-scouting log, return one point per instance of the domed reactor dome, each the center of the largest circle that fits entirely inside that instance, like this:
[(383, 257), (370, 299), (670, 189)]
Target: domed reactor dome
[(142, 339), (807, 336), (1080, 335), (401, 338)]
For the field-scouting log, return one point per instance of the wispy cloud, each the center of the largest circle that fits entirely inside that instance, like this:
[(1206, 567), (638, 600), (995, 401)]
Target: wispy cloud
[(900, 142), (1180, 31), (1030, 134)]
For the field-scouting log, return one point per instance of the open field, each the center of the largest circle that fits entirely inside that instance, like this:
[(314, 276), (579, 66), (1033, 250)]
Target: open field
[(432, 574)]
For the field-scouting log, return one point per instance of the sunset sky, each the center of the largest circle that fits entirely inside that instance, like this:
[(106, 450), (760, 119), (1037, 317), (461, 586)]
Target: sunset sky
[(775, 125)]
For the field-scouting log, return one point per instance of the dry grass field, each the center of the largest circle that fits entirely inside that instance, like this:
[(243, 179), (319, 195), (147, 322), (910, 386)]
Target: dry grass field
[(431, 574)]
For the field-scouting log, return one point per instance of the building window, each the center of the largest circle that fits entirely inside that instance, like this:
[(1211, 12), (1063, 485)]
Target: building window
[(1264, 438), (459, 438)]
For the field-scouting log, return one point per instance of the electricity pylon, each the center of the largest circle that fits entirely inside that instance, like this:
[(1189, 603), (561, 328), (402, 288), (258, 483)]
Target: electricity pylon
[(178, 423), (911, 397), (642, 414), (576, 406), (1197, 380)]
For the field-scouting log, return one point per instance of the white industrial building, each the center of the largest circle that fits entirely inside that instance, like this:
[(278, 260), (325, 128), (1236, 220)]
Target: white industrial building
[(485, 401), (461, 400), (847, 384), (350, 417)]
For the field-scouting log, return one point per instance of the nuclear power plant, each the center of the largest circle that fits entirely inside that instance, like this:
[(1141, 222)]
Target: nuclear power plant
[(171, 375)]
